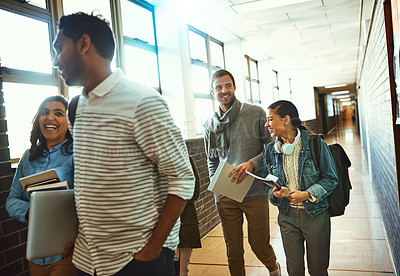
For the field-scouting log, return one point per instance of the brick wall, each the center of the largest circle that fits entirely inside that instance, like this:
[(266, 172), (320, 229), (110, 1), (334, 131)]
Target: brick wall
[(376, 129), (206, 211), (12, 232)]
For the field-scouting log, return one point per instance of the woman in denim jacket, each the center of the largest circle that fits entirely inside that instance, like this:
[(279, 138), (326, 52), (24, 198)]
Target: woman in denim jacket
[(302, 200), (51, 148)]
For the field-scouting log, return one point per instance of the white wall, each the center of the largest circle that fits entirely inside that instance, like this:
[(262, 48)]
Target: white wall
[(303, 98), (234, 63), (175, 67)]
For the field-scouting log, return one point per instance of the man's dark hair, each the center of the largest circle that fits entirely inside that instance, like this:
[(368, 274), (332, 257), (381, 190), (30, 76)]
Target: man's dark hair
[(220, 73), (97, 28)]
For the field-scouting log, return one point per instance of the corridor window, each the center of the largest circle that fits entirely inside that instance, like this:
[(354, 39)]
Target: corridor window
[(207, 56), (275, 85), (217, 55), (252, 81), (140, 44), (25, 46), (27, 72)]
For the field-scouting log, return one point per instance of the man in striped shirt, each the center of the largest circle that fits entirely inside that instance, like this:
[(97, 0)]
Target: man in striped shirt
[(132, 170)]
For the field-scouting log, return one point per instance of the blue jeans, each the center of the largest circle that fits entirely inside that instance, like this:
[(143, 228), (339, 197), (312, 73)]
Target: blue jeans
[(163, 265)]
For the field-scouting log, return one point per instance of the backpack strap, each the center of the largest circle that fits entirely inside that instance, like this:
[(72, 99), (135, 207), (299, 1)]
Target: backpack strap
[(73, 104), (315, 148)]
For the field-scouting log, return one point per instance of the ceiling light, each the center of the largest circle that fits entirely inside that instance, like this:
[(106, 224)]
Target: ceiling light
[(264, 5), (340, 92), (345, 100), (335, 85), (341, 97), (346, 103)]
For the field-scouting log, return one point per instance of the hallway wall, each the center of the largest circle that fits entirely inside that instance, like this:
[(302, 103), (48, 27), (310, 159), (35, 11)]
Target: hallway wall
[(376, 128), (12, 233)]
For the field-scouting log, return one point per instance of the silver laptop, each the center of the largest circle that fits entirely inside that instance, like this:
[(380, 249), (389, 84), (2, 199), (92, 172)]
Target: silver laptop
[(52, 223)]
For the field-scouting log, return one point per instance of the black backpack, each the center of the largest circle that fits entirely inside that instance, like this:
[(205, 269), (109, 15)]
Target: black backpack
[(340, 197), (73, 104)]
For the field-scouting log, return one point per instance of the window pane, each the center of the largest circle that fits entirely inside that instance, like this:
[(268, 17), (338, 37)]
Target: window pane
[(88, 6), (246, 66), (200, 79), (275, 78), (141, 66), (25, 46), (38, 3), (217, 56), (137, 22), (204, 110), (255, 92), (21, 102), (197, 47), (253, 70), (248, 92)]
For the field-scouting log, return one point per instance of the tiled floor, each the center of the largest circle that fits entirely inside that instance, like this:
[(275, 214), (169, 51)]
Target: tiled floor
[(358, 247)]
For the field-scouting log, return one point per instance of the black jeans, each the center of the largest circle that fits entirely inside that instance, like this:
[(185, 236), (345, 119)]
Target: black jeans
[(163, 265)]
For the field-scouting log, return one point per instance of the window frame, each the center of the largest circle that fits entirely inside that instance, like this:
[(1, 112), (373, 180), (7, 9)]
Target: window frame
[(123, 40), (206, 64), (45, 15), (251, 80), (275, 88)]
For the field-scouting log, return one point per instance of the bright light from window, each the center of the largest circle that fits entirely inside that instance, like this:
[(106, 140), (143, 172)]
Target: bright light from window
[(21, 102), (26, 44), (197, 47), (141, 66), (39, 3), (137, 22)]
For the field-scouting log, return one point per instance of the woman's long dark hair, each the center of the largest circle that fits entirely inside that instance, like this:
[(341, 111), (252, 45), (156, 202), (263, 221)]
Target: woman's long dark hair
[(283, 108), (38, 142)]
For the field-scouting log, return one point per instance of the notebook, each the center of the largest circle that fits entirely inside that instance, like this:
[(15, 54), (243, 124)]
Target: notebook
[(222, 184), (53, 223)]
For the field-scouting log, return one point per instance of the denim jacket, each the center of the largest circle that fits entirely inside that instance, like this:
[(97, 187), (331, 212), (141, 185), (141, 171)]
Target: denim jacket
[(18, 200), (319, 185)]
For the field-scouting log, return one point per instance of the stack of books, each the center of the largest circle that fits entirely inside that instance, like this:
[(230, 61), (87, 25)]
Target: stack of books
[(43, 181)]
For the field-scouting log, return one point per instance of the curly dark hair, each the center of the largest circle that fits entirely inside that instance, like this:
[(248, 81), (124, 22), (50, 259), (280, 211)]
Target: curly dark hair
[(97, 28), (38, 142)]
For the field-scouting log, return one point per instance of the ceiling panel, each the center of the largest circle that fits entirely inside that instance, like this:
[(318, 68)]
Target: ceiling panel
[(320, 37)]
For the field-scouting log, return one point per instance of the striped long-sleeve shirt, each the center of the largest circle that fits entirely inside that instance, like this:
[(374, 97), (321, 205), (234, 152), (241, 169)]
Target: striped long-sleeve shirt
[(128, 156)]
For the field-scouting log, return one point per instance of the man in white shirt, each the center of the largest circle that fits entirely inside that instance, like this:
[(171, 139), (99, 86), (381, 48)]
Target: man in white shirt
[(132, 170)]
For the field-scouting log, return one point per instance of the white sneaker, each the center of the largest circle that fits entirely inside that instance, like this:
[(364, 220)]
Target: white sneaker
[(276, 272)]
